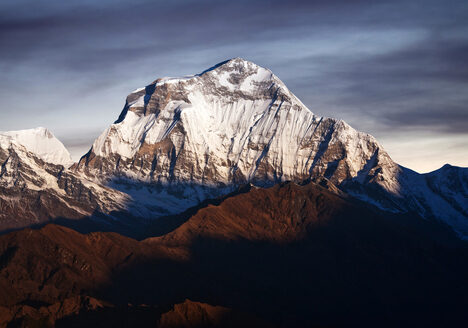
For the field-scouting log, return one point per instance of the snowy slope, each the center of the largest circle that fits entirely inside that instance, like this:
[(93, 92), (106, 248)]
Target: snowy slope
[(42, 143)]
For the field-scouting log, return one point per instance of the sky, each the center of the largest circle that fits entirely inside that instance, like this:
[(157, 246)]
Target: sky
[(395, 69)]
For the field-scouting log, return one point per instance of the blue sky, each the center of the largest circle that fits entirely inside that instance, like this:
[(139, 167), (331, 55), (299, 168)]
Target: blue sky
[(395, 69)]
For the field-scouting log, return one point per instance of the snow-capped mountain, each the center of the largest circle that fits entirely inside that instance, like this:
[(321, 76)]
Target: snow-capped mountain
[(35, 185), (179, 141), (451, 184), (42, 143), (196, 137)]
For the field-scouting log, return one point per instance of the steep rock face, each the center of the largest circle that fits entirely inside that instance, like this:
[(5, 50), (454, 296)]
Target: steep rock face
[(198, 137)]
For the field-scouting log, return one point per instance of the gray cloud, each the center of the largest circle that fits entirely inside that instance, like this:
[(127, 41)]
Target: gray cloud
[(437, 118), (384, 66), (423, 85), (100, 35)]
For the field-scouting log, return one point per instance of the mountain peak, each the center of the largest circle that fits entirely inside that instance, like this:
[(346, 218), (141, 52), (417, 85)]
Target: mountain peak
[(41, 132), (42, 143), (198, 104), (240, 66), (447, 166), (237, 62), (230, 73)]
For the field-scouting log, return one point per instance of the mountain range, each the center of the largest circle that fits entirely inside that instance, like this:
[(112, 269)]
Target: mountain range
[(236, 191), (181, 141)]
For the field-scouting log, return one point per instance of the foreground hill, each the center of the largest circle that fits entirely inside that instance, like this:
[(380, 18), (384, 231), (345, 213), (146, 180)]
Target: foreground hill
[(288, 255)]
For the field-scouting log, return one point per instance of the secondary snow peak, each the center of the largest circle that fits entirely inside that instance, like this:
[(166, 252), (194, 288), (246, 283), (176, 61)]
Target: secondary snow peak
[(42, 143)]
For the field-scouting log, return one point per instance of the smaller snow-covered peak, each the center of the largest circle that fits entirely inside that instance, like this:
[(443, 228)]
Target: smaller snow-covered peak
[(42, 143), (447, 169)]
